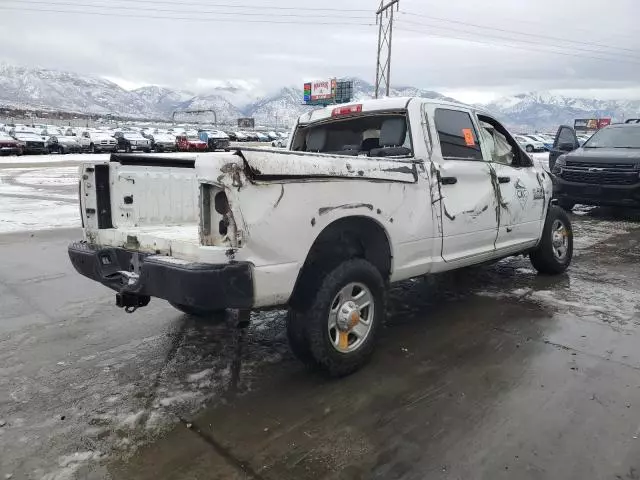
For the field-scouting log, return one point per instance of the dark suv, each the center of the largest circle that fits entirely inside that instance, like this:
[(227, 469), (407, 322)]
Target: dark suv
[(604, 171)]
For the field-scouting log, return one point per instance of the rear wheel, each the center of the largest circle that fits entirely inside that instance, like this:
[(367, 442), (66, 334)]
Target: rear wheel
[(92, 148), (555, 251), (337, 330), (200, 312), (529, 148)]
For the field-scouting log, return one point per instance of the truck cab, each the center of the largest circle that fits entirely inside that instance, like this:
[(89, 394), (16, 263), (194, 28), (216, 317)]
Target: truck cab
[(367, 194)]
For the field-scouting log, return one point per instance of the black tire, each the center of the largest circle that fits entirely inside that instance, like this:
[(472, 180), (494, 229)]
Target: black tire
[(297, 337), (147, 150), (308, 330), (200, 312), (545, 258), (529, 148), (92, 148), (127, 149), (566, 204)]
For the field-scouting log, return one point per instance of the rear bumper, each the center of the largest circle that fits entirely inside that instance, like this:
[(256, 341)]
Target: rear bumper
[(201, 285), (596, 194)]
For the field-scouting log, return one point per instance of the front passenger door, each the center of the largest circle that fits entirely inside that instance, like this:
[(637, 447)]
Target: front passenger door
[(566, 141)]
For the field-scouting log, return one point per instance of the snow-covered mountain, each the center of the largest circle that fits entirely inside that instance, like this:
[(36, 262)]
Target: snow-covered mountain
[(35, 88), (51, 89), (543, 110)]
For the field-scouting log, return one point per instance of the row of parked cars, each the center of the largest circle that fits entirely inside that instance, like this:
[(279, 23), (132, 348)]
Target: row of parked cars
[(41, 139), (543, 142)]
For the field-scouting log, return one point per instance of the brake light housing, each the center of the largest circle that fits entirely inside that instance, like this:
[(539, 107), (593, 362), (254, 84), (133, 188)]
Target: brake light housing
[(346, 110)]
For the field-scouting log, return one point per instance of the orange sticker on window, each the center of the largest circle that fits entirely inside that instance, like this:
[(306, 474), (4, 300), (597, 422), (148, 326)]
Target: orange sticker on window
[(468, 137)]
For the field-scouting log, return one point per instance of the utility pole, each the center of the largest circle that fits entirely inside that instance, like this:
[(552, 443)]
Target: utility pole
[(384, 20)]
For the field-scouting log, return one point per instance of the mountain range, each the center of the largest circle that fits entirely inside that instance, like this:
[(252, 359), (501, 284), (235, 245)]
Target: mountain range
[(44, 89)]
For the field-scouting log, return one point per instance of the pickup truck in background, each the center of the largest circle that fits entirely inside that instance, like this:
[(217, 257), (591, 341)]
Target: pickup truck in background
[(96, 142), (215, 139), (603, 171), (368, 194), (190, 143), (132, 142)]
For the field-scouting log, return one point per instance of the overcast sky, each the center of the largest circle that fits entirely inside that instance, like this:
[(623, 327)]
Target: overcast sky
[(196, 44)]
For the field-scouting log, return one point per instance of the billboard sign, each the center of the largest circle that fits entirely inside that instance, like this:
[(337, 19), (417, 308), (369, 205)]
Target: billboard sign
[(246, 123), (583, 124), (604, 122), (320, 91)]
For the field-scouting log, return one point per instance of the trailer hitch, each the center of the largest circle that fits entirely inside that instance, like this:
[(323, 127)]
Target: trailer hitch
[(131, 301)]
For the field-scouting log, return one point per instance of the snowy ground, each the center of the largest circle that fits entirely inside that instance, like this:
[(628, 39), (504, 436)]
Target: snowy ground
[(38, 198)]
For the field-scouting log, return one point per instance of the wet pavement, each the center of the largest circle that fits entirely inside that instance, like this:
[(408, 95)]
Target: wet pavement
[(490, 372)]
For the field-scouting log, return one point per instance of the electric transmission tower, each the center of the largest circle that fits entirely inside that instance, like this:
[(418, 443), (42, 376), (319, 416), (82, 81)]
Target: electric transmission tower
[(384, 19)]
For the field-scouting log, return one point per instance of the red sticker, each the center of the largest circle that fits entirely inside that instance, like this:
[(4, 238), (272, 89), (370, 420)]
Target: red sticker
[(468, 137)]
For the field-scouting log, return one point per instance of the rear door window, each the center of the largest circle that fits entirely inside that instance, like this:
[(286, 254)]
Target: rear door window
[(374, 135), (457, 135)]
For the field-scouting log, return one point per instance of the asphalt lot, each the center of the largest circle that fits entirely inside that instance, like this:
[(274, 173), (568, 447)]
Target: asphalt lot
[(491, 372)]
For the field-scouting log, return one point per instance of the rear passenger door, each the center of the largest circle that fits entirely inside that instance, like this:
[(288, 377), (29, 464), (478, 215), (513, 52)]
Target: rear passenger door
[(467, 198)]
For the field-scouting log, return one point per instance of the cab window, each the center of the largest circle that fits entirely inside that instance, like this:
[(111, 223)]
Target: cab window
[(457, 135), (372, 135)]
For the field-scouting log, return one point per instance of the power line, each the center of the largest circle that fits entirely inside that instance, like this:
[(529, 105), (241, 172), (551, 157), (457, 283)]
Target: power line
[(236, 6), (546, 37), (521, 47), (173, 10), (624, 56), (195, 19)]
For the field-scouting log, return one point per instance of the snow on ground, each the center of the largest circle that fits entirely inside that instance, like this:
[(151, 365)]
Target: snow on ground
[(38, 198), (53, 159)]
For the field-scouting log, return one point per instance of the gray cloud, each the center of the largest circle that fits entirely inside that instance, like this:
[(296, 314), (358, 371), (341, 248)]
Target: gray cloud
[(125, 43)]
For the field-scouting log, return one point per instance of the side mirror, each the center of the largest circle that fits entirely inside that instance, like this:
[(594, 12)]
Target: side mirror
[(566, 147)]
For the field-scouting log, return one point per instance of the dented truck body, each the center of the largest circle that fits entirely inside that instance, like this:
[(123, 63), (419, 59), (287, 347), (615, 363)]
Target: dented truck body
[(241, 229)]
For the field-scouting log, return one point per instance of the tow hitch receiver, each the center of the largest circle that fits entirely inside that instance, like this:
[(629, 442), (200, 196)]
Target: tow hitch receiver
[(131, 302)]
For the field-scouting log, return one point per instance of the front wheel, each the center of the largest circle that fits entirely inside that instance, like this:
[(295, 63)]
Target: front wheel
[(338, 329), (529, 148), (555, 251)]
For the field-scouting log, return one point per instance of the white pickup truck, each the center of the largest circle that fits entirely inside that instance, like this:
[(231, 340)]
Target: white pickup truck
[(365, 195)]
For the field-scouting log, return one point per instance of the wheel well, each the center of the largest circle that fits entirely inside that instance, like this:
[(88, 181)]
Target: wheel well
[(346, 238)]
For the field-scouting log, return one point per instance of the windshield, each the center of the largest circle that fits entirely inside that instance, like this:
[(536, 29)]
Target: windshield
[(376, 135), (615, 137)]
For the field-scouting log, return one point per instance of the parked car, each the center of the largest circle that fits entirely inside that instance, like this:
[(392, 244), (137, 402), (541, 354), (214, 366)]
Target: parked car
[(240, 137), (393, 203), (9, 145), (280, 143), (96, 141), (529, 144), (273, 136), (546, 143), (33, 143), (131, 141), (251, 136), (162, 142), (216, 140), (62, 144), (191, 143), (603, 171), (262, 137)]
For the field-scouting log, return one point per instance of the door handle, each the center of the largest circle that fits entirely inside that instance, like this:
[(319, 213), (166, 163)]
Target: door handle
[(504, 179), (448, 180)]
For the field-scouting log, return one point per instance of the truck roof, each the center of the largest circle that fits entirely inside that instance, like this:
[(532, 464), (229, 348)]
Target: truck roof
[(372, 105)]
